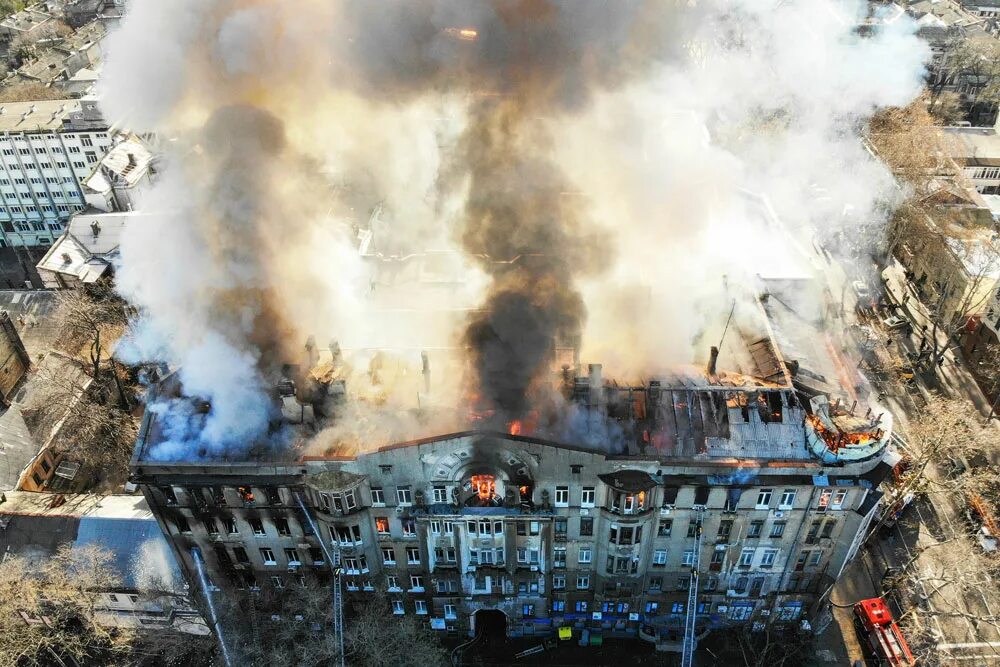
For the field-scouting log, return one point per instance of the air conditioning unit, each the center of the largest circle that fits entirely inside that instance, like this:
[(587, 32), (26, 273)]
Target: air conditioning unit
[(778, 514), (400, 509), (584, 512), (534, 568), (292, 569), (665, 511)]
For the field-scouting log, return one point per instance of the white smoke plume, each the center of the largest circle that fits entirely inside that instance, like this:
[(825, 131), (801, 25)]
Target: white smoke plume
[(284, 123)]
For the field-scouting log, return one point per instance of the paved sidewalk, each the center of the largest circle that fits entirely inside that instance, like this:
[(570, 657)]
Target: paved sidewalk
[(954, 379)]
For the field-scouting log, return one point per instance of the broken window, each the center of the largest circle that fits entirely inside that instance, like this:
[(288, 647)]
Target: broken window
[(246, 494), (732, 499)]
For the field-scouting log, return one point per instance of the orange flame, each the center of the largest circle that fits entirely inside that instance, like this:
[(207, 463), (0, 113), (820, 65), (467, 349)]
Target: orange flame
[(837, 439), (464, 34), (514, 428), (484, 486)]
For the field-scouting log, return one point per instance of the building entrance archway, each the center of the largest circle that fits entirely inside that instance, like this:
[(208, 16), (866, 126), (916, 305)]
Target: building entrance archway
[(492, 623)]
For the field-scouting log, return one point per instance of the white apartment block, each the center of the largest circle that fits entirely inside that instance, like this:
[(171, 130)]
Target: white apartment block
[(47, 150)]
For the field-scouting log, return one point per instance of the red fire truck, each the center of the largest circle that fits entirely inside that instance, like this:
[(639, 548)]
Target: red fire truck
[(882, 634)]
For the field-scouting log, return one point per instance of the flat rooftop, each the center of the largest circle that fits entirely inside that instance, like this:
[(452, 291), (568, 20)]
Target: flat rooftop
[(38, 116), (973, 146)]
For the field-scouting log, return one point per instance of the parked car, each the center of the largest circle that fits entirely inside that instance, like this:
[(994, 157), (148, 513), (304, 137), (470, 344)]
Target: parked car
[(861, 290), (895, 322)]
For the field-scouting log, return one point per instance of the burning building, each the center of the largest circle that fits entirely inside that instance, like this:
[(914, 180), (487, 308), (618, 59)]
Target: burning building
[(771, 469)]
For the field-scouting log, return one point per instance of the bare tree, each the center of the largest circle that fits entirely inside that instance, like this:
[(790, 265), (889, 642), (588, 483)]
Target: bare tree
[(82, 416), (948, 109), (975, 64), (944, 580), (909, 141), (412, 643), (777, 645), (29, 92), (951, 297), (8, 7), (293, 626), (49, 611), (91, 318)]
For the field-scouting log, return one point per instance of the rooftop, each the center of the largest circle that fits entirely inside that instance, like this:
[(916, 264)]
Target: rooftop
[(946, 13), (127, 163), (83, 37), (38, 116), (17, 447), (26, 19), (974, 146), (798, 412), (30, 311), (50, 65), (36, 524), (89, 246)]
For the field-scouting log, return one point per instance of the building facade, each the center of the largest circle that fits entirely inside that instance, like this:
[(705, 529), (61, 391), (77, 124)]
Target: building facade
[(976, 150), (777, 490), (47, 150)]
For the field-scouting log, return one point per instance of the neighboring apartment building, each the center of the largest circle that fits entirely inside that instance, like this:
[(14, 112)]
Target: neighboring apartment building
[(772, 475), (989, 9), (976, 150), (47, 150), (946, 25), (954, 260)]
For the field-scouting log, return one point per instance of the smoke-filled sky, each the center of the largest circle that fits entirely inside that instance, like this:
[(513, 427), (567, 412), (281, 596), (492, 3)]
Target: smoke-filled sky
[(575, 167)]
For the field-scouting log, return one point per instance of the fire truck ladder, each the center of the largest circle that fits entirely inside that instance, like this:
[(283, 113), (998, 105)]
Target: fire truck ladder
[(338, 605), (333, 558), (687, 651), (254, 628)]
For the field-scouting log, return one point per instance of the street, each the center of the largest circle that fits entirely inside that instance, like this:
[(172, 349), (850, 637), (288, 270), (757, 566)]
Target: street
[(931, 543)]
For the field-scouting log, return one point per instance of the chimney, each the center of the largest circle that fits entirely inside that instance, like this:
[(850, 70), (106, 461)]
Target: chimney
[(311, 352), (95, 227), (713, 359), (596, 386), (425, 363)]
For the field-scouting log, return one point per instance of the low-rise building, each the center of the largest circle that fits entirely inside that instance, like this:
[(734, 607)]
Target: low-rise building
[(122, 176), (86, 252), (976, 150), (985, 8), (60, 59), (954, 260), (80, 12), (26, 23), (150, 595)]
